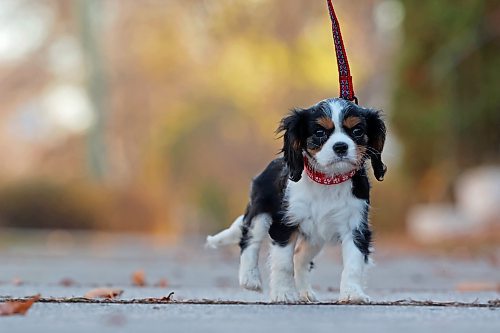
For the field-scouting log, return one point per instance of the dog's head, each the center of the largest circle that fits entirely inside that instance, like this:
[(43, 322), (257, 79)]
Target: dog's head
[(337, 136)]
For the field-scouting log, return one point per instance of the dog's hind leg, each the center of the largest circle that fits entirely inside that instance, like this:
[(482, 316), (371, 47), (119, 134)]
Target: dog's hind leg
[(253, 233), (229, 236), (303, 264)]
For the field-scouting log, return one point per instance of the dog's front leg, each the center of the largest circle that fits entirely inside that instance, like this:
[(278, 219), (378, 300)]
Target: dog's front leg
[(351, 284), (250, 244), (282, 283)]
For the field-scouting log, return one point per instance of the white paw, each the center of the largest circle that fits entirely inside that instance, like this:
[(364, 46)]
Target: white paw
[(353, 294), (285, 295), (308, 295), (250, 279)]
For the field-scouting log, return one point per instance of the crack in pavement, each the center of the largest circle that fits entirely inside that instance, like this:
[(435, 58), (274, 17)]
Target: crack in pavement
[(492, 304)]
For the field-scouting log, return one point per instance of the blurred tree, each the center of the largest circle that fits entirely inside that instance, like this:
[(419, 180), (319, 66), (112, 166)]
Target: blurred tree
[(186, 97), (447, 100), (90, 18)]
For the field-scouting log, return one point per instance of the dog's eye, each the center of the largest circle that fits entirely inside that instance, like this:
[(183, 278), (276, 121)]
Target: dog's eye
[(320, 133), (358, 132)]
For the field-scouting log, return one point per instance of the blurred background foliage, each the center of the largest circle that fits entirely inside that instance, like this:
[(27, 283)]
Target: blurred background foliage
[(446, 100), (154, 115)]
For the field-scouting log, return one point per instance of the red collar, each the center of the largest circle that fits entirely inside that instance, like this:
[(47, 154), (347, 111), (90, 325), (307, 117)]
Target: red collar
[(324, 179)]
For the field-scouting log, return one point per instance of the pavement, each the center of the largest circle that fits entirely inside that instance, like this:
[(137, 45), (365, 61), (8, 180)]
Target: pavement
[(410, 292)]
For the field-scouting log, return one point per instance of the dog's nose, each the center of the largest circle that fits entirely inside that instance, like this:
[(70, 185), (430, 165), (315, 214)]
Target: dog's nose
[(340, 148)]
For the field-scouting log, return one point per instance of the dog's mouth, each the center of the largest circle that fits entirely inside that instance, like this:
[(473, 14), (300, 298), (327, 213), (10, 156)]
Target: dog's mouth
[(342, 160), (337, 165)]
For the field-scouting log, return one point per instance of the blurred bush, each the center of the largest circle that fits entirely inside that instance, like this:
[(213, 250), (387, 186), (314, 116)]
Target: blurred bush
[(447, 100), (44, 203)]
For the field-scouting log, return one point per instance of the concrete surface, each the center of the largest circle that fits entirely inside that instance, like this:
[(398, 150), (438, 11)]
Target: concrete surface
[(244, 318), (32, 263)]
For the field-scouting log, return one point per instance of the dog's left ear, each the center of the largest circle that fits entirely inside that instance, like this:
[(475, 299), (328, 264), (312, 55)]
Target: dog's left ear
[(375, 130), (294, 126)]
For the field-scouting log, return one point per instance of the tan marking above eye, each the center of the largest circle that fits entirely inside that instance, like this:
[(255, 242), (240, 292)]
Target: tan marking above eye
[(351, 121), (313, 151), (326, 122)]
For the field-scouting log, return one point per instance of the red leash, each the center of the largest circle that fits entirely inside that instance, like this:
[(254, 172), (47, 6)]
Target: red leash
[(345, 78)]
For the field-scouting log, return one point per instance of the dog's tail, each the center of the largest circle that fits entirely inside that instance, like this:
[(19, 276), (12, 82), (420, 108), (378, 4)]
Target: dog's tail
[(229, 236)]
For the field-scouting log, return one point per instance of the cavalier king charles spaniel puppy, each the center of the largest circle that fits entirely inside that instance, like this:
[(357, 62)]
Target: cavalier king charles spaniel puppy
[(317, 193)]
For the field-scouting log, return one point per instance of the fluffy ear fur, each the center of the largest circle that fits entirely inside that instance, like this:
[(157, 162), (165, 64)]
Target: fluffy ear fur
[(376, 139), (294, 126)]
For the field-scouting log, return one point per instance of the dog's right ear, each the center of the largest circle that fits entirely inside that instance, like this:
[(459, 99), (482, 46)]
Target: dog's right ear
[(294, 141)]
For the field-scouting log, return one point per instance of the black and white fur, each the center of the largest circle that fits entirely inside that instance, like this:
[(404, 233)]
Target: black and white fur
[(301, 216)]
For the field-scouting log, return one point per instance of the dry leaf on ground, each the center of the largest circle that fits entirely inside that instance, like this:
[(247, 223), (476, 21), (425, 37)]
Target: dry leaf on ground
[(10, 308), (67, 282), (139, 278), (478, 286), (163, 283), (109, 293), (17, 281)]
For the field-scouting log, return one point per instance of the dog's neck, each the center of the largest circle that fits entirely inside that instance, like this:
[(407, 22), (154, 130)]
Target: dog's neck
[(324, 179)]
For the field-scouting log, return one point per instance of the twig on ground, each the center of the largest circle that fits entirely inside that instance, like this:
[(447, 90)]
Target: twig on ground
[(495, 303)]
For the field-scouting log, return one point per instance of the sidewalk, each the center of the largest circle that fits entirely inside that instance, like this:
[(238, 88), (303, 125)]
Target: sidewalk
[(67, 266)]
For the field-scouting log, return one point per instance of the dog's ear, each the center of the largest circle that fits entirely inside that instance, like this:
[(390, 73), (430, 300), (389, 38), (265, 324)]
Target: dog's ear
[(375, 130), (294, 139)]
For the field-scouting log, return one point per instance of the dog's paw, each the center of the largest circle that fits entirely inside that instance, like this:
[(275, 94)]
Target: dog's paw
[(308, 295), (285, 295), (353, 294), (250, 279)]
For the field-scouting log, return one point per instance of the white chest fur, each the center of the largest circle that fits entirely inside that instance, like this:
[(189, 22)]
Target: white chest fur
[(324, 213)]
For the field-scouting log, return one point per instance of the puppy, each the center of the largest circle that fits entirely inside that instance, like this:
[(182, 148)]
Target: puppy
[(317, 193)]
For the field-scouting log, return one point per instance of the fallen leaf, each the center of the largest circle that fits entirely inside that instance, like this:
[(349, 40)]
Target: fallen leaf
[(10, 308), (478, 286), (109, 293), (139, 278), (163, 283), (67, 282), (17, 281)]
